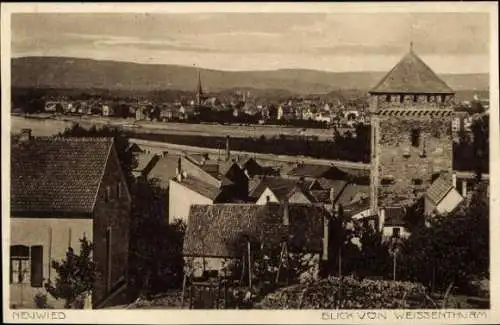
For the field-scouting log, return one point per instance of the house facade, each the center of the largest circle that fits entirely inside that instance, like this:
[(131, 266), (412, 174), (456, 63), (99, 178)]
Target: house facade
[(216, 234), (64, 189)]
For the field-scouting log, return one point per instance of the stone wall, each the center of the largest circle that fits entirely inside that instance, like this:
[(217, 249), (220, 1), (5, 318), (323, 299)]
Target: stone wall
[(400, 163)]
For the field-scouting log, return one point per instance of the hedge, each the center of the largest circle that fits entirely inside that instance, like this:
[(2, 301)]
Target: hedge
[(354, 294)]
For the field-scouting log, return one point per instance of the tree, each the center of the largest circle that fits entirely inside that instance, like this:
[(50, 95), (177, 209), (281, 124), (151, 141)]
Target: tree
[(452, 249), (75, 275), (481, 136), (156, 260), (374, 258)]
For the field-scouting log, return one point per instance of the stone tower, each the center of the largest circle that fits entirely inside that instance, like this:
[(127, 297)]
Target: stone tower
[(411, 133)]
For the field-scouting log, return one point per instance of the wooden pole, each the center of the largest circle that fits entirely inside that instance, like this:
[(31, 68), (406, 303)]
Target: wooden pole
[(282, 254), (394, 267), (249, 265), (243, 268), (183, 289), (191, 297)]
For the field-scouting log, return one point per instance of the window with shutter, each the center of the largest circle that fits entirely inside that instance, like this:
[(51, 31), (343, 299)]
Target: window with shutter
[(36, 266), (19, 264)]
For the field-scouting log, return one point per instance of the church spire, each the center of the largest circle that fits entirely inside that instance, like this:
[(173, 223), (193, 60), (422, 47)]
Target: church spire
[(199, 89)]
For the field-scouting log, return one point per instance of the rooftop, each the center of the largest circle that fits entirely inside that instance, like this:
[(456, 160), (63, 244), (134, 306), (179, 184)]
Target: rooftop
[(57, 174), (439, 188), (200, 187), (412, 75), (216, 230), (281, 187)]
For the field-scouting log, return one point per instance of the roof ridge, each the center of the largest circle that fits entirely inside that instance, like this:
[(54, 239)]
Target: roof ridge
[(74, 139)]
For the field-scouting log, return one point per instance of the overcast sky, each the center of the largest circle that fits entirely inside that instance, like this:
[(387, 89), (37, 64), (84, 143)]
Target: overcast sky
[(448, 42)]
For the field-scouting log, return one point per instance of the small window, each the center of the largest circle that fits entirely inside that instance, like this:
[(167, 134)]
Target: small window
[(119, 190), (388, 98), (415, 98), (401, 99), (396, 232), (107, 194), (417, 181), (415, 137), (434, 176), (387, 180)]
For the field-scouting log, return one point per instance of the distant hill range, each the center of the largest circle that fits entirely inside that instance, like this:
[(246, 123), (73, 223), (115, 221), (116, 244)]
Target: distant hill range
[(60, 72)]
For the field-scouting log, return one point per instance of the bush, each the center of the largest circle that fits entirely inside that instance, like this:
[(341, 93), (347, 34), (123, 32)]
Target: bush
[(354, 294), (41, 301)]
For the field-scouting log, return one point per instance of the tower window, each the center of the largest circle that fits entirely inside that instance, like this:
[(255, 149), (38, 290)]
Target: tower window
[(416, 181), (415, 137)]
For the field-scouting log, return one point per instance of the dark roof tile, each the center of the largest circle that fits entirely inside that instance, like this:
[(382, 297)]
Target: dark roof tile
[(213, 230), (439, 188), (57, 174), (411, 75)]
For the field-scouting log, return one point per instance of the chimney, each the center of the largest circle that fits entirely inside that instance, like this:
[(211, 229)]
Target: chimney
[(464, 188), (286, 215), (454, 180), (25, 135), (179, 170), (381, 219), (228, 151), (326, 236)]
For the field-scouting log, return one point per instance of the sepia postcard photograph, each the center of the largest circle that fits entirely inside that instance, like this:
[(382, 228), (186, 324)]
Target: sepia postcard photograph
[(250, 162)]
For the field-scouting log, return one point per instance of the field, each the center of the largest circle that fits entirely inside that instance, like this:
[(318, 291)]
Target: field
[(56, 124)]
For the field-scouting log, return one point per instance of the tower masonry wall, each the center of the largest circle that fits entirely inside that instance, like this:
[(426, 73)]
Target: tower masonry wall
[(405, 171)]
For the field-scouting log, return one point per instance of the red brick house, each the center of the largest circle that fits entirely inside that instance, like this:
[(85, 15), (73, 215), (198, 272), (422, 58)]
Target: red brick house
[(61, 190)]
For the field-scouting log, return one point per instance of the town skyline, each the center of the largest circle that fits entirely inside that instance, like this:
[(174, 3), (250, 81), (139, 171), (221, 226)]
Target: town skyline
[(261, 41)]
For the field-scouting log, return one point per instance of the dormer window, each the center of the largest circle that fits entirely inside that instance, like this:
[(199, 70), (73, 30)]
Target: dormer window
[(415, 138)]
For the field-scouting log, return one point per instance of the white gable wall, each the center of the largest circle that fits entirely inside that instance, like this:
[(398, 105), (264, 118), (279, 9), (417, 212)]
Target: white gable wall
[(180, 199), (449, 202), (263, 197)]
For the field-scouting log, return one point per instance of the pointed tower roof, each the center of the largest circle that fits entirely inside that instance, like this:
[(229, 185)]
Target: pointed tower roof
[(199, 89), (412, 75)]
